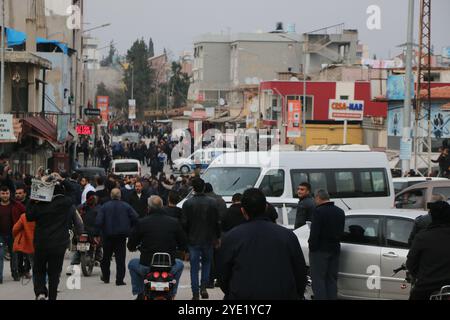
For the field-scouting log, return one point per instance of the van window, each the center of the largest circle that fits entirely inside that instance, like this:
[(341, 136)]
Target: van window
[(127, 167), (273, 183), (362, 231), (228, 181), (318, 180), (344, 183)]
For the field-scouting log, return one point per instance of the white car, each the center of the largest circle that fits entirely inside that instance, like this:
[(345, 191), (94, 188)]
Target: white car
[(375, 243), (125, 167), (201, 157), (401, 184)]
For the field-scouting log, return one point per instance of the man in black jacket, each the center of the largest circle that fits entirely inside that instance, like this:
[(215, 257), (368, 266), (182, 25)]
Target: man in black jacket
[(51, 239), (306, 205), (115, 221), (200, 220), (429, 258), (327, 229), (155, 233), (260, 260), (234, 216), (172, 210), (138, 200)]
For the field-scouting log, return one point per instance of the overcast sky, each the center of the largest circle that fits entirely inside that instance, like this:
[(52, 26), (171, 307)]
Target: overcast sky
[(174, 23)]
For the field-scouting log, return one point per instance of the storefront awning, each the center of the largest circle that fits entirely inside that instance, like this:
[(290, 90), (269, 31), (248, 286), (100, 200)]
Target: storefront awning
[(41, 127)]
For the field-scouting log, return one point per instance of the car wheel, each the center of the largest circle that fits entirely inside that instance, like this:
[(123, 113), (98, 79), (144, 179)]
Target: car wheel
[(185, 169)]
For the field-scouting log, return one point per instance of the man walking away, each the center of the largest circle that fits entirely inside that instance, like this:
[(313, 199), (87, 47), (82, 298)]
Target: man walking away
[(200, 219), (172, 210), (155, 233), (260, 260), (306, 205), (327, 229), (234, 216), (51, 239), (115, 220)]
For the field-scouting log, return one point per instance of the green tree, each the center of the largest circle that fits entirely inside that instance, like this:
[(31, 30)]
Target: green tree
[(137, 57), (151, 49), (117, 97), (179, 85), (109, 59)]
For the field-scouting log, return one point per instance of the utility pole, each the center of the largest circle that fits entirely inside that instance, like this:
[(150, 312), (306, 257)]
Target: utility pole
[(2, 76), (406, 137), (132, 82)]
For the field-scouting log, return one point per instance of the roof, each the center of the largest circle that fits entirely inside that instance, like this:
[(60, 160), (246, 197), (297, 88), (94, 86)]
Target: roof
[(404, 213), (27, 58), (43, 127), (249, 37), (437, 93), (314, 160), (428, 184)]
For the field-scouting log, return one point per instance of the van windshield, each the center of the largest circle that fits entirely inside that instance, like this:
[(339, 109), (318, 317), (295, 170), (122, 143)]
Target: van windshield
[(228, 181), (127, 167)]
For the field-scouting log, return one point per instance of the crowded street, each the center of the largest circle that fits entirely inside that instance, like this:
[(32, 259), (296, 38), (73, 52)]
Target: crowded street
[(224, 152)]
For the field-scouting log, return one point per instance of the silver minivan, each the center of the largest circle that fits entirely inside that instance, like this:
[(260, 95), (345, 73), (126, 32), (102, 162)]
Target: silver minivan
[(375, 243)]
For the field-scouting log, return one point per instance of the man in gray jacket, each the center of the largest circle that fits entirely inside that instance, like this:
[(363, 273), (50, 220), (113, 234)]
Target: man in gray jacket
[(306, 205)]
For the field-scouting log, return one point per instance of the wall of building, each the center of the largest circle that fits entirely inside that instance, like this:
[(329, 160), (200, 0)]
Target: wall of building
[(318, 134), (58, 79)]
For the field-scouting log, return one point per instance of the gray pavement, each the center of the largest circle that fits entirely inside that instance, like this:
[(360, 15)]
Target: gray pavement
[(92, 288)]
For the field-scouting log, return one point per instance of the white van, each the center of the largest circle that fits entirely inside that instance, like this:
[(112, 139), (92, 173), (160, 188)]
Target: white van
[(125, 167), (355, 180), (201, 157)]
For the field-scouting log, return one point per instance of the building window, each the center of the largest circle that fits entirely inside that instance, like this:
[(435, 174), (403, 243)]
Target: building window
[(344, 97)]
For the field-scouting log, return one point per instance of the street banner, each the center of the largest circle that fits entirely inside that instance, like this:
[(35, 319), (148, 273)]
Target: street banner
[(63, 127), (103, 105), (346, 110), (294, 119), (131, 109), (42, 191), (7, 128)]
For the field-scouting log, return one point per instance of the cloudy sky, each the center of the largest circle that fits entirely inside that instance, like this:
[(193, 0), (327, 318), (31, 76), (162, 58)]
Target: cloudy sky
[(174, 23)]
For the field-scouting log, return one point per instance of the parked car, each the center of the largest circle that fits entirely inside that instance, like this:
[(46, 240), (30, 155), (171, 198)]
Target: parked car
[(419, 195), (125, 167), (201, 157), (91, 172), (375, 243), (401, 184)]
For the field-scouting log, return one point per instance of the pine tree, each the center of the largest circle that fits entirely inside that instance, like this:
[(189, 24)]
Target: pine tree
[(151, 49)]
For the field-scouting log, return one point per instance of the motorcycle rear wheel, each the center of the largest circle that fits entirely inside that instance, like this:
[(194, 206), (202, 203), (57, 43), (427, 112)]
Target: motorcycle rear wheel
[(87, 264)]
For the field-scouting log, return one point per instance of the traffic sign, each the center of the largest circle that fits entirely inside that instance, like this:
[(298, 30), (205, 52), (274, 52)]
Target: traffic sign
[(92, 112)]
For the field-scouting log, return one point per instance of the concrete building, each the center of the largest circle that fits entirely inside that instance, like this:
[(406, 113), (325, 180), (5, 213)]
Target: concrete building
[(43, 83), (161, 68), (224, 65)]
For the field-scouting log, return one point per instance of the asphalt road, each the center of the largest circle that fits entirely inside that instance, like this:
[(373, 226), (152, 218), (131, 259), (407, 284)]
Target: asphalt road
[(92, 288)]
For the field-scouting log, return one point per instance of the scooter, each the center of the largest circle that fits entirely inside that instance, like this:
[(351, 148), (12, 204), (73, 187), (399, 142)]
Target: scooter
[(87, 248), (159, 282)]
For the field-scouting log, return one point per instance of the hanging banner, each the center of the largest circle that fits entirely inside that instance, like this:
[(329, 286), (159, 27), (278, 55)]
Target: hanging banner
[(294, 119), (7, 128), (103, 105), (63, 127), (132, 109)]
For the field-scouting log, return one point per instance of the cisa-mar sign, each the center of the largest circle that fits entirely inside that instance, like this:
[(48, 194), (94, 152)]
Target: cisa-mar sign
[(342, 110)]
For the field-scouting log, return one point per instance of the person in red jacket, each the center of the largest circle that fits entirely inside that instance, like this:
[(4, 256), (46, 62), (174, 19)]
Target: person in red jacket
[(10, 212), (23, 233)]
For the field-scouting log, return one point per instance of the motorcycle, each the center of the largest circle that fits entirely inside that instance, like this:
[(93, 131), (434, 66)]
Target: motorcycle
[(87, 248), (443, 294), (159, 282)]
